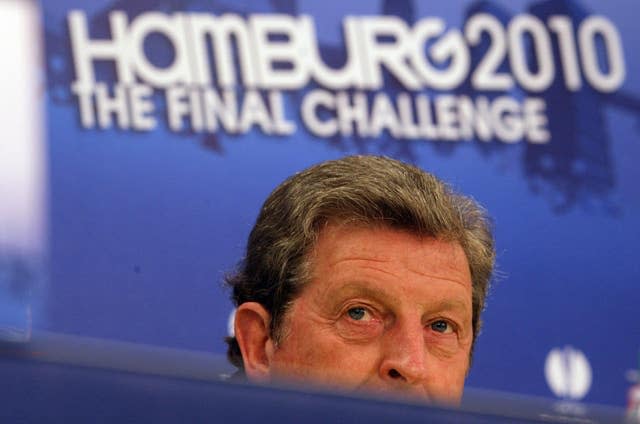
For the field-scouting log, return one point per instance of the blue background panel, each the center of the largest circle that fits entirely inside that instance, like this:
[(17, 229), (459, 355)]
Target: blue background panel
[(144, 225)]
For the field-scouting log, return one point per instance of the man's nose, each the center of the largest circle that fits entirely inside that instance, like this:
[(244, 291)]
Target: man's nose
[(405, 354)]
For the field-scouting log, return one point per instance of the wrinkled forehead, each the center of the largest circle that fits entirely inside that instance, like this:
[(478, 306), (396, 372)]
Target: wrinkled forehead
[(342, 241)]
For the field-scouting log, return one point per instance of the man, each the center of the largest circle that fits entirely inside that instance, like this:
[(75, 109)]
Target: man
[(363, 273)]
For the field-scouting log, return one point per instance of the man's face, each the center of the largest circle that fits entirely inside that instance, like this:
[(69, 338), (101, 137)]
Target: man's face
[(385, 311)]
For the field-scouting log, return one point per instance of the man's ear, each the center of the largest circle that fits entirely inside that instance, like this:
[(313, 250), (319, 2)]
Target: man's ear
[(252, 332)]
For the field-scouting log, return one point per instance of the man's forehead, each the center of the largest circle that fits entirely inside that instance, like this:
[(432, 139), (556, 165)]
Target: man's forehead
[(381, 247)]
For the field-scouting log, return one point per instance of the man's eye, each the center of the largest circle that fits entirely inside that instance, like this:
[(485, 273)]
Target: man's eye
[(441, 326), (357, 314)]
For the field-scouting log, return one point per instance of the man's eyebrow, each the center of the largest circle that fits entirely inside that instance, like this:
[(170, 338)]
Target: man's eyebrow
[(361, 289), (450, 304), (357, 288)]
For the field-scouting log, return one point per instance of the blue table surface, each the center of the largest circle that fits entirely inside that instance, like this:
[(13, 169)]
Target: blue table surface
[(40, 384)]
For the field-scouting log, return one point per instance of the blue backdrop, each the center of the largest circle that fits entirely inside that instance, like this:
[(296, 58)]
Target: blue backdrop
[(149, 208)]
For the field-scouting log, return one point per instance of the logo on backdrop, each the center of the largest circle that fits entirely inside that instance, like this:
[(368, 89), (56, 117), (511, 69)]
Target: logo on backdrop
[(542, 80), (568, 373), (422, 80)]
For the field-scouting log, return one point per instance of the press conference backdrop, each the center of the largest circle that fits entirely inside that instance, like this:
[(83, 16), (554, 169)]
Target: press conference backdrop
[(169, 122)]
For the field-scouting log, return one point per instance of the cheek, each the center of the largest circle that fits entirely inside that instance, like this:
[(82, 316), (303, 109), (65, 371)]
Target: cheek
[(321, 358), (447, 383), (303, 352), (447, 348), (454, 379)]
